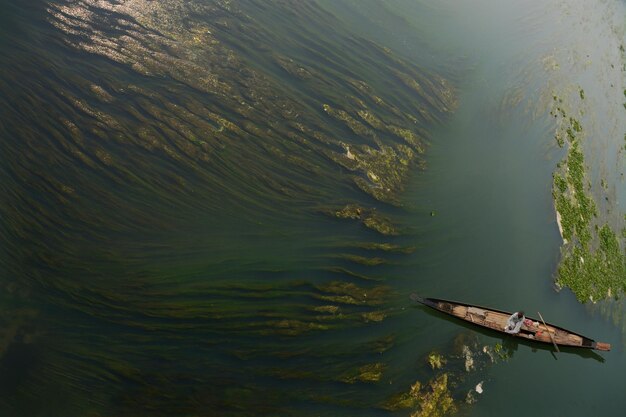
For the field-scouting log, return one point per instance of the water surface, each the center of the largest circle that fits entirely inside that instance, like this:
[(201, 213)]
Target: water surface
[(171, 181)]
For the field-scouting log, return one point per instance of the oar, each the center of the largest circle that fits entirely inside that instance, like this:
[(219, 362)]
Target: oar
[(549, 333)]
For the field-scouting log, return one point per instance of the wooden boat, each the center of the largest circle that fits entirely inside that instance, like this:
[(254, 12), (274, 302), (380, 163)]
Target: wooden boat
[(532, 329)]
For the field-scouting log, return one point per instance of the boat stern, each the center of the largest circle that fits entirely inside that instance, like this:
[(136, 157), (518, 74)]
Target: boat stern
[(602, 346)]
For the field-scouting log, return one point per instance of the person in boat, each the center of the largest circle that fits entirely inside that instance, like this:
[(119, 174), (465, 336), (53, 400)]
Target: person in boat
[(514, 323)]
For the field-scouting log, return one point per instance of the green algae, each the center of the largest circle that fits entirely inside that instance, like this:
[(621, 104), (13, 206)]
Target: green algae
[(293, 327), (595, 275), (350, 274), (406, 400), (432, 400), (501, 351), (329, 309), (367, 373), (362, 260), (383, 170), (371, 119), (384, 247), (350, 211), (573, 204), (381, 224), (356, 127), (350, 293), (371, 218), (436, 360), (593, 264), (448, 376), (409, 137), (374, 316), (436, 401)]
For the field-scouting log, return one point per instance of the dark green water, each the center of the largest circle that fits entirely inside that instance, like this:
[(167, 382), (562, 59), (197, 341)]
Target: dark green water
[(172, 175)]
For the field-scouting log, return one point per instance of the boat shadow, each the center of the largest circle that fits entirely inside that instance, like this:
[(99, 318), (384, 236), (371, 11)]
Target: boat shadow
[(511, 343)]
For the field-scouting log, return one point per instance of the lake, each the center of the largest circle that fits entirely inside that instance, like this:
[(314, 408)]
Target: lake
[(212, 208)]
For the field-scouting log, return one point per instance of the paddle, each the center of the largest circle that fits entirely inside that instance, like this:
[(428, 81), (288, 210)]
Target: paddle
[(549, 333)]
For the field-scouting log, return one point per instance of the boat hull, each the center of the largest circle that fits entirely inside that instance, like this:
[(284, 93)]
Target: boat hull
[(532, 329)]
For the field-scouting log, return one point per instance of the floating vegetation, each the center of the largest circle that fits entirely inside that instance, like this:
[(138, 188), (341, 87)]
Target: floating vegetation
[(595, 275), (431, 400), (349, 293), (293, 327), (593, 263), (350, 274), (436, 360), (436, 400), (451, 381), (362, 260), (381, 224), (409, 399), (374, 316), (369, 217), (367, 373), (327, 309), (385, 247), (385, 169), (502, 353)]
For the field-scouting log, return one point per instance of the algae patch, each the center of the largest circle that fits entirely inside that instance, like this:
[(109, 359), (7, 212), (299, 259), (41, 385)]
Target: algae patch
[(593, 263), (349, 293), (436, 360), (370, 218), (367, 373), (362, 260), (450, 383), (432, 399)]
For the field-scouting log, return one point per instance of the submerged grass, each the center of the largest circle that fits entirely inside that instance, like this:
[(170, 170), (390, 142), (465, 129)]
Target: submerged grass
[(370, 218), (155, 213)]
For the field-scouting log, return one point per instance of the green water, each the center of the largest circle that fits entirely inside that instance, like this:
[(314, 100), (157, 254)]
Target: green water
[(172, 184)]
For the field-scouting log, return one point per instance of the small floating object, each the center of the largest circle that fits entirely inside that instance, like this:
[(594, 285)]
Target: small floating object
[(479, 387)]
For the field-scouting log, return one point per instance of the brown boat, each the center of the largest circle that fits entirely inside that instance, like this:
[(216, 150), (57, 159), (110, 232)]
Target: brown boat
[(532, 329)]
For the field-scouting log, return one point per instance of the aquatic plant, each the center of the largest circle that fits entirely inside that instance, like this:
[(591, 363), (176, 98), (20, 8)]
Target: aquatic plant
[(436, 360), (161, 165), (450, 381), (372, 372), (374, 316), (361, 259), (593, 263), (349, 293), (431, 400), (371, 218), (385, 247), (436, 402), (502, 352)]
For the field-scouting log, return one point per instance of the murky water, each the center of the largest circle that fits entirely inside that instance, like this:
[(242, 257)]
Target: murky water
[(213, 208)]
